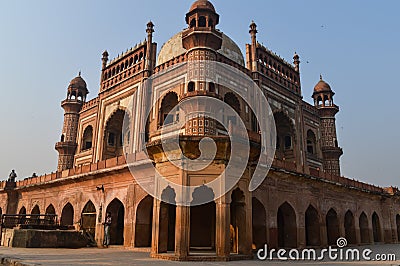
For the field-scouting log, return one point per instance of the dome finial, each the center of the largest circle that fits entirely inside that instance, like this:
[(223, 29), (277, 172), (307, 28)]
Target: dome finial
[(320, 76), (202, 4), (79, 74)]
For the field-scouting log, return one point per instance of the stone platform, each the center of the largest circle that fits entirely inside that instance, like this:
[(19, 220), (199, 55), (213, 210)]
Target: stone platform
[(34, 238)]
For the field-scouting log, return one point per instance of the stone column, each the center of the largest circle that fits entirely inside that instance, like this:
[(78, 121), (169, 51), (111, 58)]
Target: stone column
[(342, 229), (301, 231), (182, 232), (273, 227), (324, 236), (222, 228), (371, 234), (245, 247), (358, 232), (155, 228)]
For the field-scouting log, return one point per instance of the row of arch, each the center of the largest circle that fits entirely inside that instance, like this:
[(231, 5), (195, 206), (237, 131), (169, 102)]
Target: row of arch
[(203, 221), (124, 65), (277, 67), (201, 22), (171, 100), (288, 229), (114, 137), (76, 94), (88, 217)]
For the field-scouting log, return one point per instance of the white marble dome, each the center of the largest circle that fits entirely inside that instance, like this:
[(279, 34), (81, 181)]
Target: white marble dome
[(174, 48)]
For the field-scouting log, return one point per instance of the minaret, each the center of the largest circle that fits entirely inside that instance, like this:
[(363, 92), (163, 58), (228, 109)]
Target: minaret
[(104, 61), (253, 33), (296, 62), (66, 147), (323, 101), (149, 48)]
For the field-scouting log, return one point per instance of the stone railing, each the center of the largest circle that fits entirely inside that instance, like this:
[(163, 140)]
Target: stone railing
[(310, 108), (174, 61), (121, 160), (90, 104), (291, 166), (122, 75), (276, 68), (116, 161)]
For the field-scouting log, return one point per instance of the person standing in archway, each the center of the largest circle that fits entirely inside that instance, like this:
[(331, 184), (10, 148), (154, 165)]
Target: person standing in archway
[(107, 226)]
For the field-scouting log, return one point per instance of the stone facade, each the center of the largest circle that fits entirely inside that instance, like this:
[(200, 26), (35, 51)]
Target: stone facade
[(303, 201)]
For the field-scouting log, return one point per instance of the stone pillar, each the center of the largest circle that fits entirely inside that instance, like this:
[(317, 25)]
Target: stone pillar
[(358, 233), (222, 228), (301, 231), (99, 235), (182, 232), (155, 236), (371, 234), (342, 230), (273, 227), (245, 246), (324, 235)]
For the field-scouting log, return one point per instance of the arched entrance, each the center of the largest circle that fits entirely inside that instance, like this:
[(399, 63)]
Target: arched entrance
[(364, 230), (50, 209), (332, 227), (238, 221), (35, 210), (202, 220), (398, 227), (87, 138), (349, 228), (67, 215), (376, 227), (116, 208), (22, 210), (287, 226), (167, 219), (168, 103), (311, 143), (115, 136), (259, 218), (285, 137), (143, 226), (313, 235), (88, 219)]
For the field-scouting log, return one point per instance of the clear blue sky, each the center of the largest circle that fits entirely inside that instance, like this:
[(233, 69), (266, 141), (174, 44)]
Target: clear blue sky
[(354, 44)]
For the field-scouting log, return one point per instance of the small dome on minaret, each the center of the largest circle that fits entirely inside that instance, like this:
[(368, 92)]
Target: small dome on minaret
[(78, 83), (322, 86), (202, 4)]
